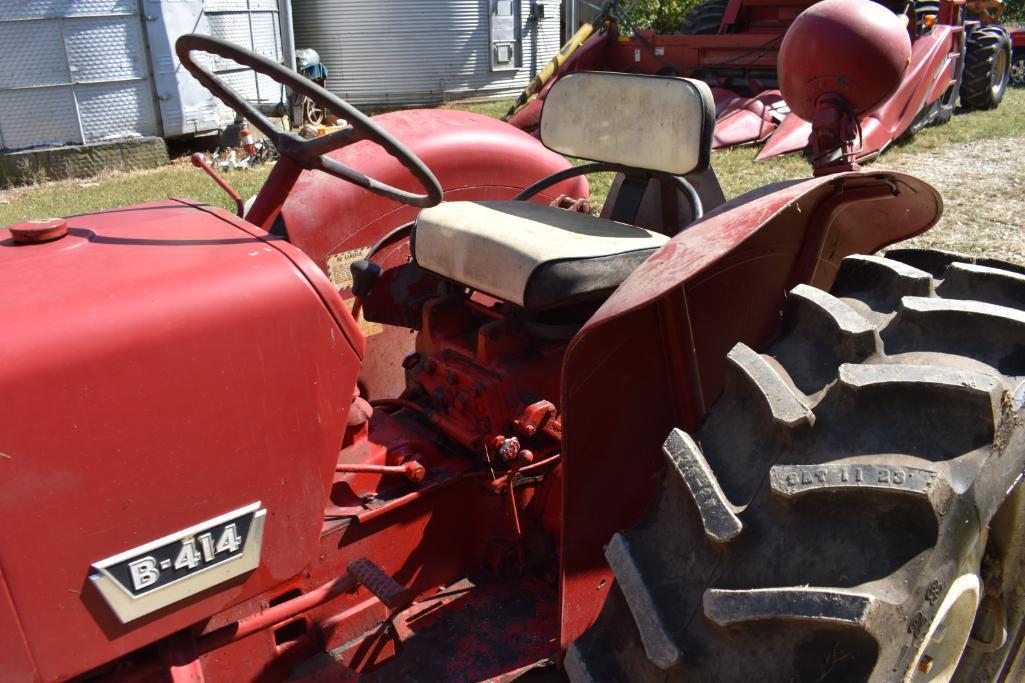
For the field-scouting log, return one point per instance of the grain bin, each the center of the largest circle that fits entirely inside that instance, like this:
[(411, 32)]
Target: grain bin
[(423, 52)]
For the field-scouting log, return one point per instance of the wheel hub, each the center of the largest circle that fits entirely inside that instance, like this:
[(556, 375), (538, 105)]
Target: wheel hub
[(999, 71), (936, 661)]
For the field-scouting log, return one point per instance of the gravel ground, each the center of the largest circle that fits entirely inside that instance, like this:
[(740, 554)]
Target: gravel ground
[(983, 189)]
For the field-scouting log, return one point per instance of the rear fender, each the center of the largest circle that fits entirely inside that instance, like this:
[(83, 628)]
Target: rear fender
[(335, 223), (653, 357)]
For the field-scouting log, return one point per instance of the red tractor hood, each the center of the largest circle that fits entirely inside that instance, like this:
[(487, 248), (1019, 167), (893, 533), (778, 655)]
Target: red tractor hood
[(161, 366)]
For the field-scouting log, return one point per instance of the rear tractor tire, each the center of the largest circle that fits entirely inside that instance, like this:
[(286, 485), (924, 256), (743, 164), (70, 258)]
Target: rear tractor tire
[(987, 68), (829, 520)]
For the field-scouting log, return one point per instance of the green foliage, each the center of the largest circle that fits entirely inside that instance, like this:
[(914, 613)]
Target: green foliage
[(664, 16), (1014, 13)]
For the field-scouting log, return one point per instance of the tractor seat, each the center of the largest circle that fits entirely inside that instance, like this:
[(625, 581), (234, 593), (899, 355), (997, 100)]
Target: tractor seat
[(540, 257), (532, 255)]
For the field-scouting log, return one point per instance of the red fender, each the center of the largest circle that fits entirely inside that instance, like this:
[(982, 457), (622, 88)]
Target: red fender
[(474, 157), (719, 282)]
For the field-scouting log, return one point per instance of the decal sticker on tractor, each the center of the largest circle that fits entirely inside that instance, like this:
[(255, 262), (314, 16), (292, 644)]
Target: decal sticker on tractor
[(338, 266), (161, 572)]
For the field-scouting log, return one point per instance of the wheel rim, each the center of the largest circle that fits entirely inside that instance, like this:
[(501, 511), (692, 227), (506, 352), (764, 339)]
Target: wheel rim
[(1018, 72), (313, 113), (937, 659), (999, 72)]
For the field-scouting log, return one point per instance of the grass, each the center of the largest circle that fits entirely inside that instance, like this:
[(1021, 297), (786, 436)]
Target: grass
[(736, 168), (115, 188)]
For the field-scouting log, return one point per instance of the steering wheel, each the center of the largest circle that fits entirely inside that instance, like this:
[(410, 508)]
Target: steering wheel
[(309, 154)]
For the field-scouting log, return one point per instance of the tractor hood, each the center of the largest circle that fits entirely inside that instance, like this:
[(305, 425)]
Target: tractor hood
[(170, 378)]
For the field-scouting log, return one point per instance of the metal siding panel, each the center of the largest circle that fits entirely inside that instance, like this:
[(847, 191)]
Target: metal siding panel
[(41, 9), (241, 82), (95, 43), (225, 5), (186, 107), (105, 49), (233, 27), (255, 29), (266, 37), (416, 51), (42, 116), (112, 111), (32, 55)]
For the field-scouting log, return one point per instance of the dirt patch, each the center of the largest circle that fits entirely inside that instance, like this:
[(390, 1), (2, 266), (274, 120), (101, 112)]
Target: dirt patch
[(983, 196)]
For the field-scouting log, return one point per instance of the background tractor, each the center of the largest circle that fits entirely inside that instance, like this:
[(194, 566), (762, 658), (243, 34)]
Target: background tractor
[(960, 56), (428, 424)]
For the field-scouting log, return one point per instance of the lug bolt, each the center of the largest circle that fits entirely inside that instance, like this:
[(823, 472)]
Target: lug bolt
[(510, 448)]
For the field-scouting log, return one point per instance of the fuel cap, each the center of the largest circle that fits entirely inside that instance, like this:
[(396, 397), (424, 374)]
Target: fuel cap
[(37, 231)]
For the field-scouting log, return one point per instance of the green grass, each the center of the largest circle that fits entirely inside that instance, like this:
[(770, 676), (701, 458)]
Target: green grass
[(736, 168), (493, 108), (69, 197), (1006, 121)]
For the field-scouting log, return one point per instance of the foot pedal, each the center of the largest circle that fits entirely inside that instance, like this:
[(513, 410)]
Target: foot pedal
[(384, 588)]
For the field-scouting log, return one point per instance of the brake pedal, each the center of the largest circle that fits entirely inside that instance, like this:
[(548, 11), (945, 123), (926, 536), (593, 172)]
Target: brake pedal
[(383, 587)]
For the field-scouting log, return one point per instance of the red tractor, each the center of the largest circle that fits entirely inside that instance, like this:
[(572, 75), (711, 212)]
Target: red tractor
[(734, 46), (364, 433)]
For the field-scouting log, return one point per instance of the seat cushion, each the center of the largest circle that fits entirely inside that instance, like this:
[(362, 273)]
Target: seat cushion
[(652, 122), (529, 254)]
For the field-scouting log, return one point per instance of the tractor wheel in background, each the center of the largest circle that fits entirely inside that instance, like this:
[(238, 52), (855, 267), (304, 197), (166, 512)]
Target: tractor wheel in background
[(704, 18), (986, 68), (313, 113), (829, 519), (1017, 76)]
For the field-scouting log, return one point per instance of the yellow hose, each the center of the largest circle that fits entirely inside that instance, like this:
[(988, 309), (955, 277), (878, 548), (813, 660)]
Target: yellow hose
[(550, 69)]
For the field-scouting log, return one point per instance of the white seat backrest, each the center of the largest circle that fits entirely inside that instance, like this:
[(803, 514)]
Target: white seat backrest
[(652, 122)]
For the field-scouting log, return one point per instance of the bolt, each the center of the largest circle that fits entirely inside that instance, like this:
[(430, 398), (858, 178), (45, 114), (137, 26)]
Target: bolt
[(925, 664), (414, 471), (529, 429), (510, 448)]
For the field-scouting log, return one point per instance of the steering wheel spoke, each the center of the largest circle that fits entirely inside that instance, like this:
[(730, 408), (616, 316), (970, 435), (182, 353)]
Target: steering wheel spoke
[(310, 154)]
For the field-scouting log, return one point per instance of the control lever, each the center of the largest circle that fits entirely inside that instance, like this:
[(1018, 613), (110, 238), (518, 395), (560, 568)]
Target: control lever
[(199, 161)]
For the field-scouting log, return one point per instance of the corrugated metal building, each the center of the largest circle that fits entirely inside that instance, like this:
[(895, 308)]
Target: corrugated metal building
[(89, 71), (73, 72), (419, 52)]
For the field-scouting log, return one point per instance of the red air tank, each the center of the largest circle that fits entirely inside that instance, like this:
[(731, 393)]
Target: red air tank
[(857, 49)]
